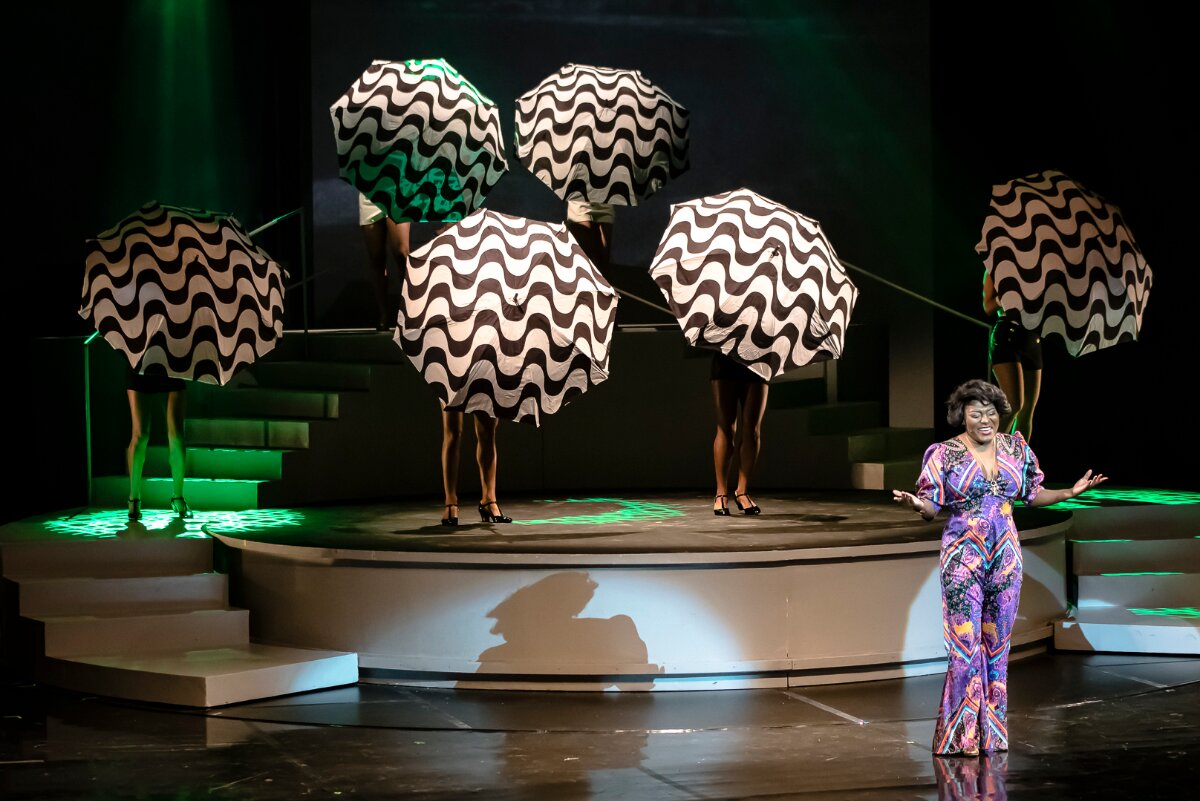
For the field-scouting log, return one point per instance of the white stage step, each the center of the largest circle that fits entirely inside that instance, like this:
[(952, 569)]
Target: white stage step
[(146, 620), (1119, 630), (1151, 589), (186, 630), (60, 597), (204, 677), (105, 558), (1126, 554)]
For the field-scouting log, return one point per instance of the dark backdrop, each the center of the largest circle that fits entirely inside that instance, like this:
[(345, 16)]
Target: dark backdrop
[(889, 122)]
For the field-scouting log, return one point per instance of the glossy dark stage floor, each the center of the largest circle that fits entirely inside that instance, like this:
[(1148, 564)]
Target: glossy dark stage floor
[(1083, 726)]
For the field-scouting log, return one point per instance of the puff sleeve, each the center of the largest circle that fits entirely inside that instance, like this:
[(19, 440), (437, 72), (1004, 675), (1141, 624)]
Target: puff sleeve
[(1031, 475), (931, 483)]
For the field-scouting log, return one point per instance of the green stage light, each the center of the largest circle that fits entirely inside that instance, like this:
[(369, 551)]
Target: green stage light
[(115, 523), (1097, 497), (1168, 611)]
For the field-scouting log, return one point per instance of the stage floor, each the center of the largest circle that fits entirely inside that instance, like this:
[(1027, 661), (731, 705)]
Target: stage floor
[(602, 523), (1083, 726)]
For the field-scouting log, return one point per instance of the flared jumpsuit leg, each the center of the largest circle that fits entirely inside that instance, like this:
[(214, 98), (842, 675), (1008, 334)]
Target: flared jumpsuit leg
[(981, 587)]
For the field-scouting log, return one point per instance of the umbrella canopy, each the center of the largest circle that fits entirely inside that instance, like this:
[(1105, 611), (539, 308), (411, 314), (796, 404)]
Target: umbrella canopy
[(754, 280), (601, 135), (419, 140), (183, 292), (506, 316), (1064, 259)]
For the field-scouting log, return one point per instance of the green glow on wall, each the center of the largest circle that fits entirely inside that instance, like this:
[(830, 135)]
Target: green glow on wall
[(1168, 611), (626, 512), (174, 121)]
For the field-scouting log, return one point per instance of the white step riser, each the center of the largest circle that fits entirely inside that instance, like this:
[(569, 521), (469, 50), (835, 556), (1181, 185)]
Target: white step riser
[(1114, 638), (1174, 591), (303, 675), (233, 433), (131, 635), (884, 475), (273, 403), (129, 596), (1092, 558), (102, 558), (314, 375)]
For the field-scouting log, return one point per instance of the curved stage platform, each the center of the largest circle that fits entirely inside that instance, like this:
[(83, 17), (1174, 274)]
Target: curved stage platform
[(625, 593)]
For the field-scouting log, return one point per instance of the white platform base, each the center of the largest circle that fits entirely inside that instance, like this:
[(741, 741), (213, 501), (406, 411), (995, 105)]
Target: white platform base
[(204, 677), (1118, 630)]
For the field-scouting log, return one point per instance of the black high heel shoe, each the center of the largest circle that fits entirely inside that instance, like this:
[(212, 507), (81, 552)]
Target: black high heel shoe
[(135, 509), (485, 513), (451, 519), (723, 509), (746, 510), (180, 508)]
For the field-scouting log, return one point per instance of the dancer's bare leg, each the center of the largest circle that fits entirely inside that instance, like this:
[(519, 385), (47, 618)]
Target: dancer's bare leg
[(1008, 378), (375, 236), (176, 447), (1031, 388), (754, 406), (139, 438), (452, 426), (725, 401), (485, 456)]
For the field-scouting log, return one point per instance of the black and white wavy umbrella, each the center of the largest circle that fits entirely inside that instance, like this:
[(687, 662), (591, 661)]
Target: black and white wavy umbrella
[(419, 140), (183, 292), (506, 316), (1064, 259), (601, 135), (754, 280)]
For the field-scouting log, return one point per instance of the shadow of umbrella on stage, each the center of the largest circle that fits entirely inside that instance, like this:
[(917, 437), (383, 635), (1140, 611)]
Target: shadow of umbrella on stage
[(419, 140), (183, 293), (754, 280), (506, 316), (601, 135), (1063, 258)]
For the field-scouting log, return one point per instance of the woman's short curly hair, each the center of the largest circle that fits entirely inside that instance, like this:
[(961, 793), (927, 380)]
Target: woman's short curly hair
[(974, 390)]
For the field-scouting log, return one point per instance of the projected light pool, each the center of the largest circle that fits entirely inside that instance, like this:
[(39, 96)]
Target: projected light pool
[(625, 512), (164, 522)]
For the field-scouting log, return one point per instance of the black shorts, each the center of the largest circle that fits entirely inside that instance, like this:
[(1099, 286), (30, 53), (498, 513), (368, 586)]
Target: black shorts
[(1010, 342), (155, 382), (727, 369)]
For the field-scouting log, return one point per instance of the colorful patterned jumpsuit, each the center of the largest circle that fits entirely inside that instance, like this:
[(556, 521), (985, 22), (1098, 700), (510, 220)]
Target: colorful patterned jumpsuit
[(981, 585)]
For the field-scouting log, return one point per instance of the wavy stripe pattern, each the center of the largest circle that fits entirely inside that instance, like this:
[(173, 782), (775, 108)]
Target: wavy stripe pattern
[(419, 140), (602, 135), (1064, 258), (183, 292), (506, 316), (755, 280)]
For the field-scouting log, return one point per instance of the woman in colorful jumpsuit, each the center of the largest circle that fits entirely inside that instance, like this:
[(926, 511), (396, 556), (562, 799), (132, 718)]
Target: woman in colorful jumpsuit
[(975, 477)]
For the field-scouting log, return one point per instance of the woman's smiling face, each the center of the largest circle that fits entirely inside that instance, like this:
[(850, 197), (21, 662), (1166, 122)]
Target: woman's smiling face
[(981, 420)]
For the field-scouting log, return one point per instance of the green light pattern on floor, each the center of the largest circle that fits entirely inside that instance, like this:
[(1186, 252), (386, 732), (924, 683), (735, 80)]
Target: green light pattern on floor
[(1095, 497), (626, 512), (116, 523), (1168, 611), (1147, 573), (251, 520), (163, 522)]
